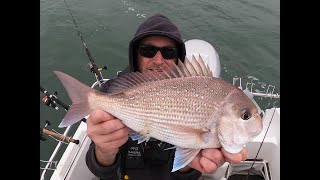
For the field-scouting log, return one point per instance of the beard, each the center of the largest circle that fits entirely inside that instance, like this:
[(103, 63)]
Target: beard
[(156, 67)]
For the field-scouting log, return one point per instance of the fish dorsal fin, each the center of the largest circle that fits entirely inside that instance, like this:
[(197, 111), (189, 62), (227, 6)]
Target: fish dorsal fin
[(190, 67), (204, 67), (197, 66), (186, 69)]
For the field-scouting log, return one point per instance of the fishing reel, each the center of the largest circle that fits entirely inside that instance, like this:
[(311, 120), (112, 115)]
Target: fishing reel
[(50, 102), (42, 138), (92, 69), (97, 71)]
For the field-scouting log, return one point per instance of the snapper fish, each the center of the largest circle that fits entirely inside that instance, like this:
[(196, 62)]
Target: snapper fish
[(184, 106)]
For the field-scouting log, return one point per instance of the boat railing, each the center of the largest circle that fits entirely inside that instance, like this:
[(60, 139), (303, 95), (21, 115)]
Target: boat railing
[(50, 165), (269, 92)]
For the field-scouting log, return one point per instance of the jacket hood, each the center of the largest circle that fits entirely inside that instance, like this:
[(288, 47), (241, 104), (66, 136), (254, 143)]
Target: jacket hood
[(156, 25)]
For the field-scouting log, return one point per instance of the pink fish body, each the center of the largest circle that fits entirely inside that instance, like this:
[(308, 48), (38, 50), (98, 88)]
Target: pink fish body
[(184, 106)]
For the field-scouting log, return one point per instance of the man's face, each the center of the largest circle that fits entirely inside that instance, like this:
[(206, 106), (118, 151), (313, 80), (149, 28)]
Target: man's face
[(154, 63)]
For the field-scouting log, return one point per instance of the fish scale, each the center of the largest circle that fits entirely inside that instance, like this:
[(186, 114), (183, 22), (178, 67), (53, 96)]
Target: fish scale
[(183, 105)]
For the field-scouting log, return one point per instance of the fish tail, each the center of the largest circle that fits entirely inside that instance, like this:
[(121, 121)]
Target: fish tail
[(78, 93)]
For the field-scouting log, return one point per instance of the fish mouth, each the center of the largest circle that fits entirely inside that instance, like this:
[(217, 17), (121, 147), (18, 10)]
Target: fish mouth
[(256, 133), (234, 148)]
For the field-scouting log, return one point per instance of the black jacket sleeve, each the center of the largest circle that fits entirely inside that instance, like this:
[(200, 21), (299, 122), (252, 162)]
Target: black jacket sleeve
[(103, 172)]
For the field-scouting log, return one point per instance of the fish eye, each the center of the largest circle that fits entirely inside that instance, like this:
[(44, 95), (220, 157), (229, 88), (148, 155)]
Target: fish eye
[(245, 114)]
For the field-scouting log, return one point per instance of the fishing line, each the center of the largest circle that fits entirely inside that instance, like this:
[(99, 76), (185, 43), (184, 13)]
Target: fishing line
[(261, 144)]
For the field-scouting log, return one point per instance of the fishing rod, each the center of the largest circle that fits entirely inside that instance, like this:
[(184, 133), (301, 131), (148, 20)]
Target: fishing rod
[(92, 65), (59, 136), (52, 100)]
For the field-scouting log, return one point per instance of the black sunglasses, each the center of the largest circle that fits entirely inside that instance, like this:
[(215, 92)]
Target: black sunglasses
[(150, 51)]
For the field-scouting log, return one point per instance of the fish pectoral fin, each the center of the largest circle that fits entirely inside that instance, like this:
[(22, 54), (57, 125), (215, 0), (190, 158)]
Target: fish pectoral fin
[(183, 157), (137, 136)]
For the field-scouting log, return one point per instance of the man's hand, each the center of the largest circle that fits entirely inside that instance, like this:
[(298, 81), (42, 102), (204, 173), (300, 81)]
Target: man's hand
[(108, 134), (209, 160)]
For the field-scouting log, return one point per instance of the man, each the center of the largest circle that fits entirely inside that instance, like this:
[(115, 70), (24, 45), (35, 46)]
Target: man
[(157, 44)]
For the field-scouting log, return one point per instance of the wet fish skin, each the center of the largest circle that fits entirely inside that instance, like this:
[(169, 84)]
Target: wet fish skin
[(187, 108)]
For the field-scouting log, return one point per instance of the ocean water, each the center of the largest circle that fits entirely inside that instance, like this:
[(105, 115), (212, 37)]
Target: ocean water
[(245, 34)]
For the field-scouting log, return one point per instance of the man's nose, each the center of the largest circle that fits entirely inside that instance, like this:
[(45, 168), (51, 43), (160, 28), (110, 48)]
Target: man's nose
[(158, 59)]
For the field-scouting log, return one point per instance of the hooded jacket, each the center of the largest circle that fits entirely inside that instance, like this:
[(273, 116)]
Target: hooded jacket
[(155, 25), (152, 161)]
